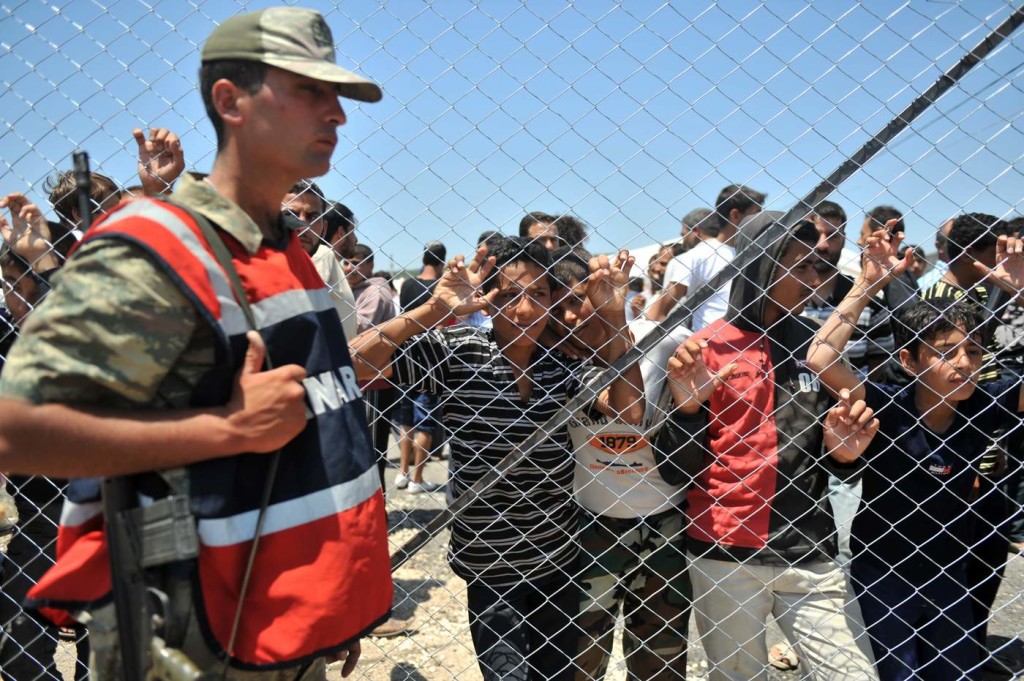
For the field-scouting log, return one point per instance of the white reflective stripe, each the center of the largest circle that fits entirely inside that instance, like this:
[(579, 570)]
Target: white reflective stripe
[(232, 320), (292, 513), (74, 515), (284, 306)]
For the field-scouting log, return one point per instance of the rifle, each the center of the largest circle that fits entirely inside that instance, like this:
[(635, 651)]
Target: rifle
[(138, 538)]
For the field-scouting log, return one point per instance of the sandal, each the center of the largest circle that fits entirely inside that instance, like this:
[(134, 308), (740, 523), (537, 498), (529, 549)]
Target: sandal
[(783, 658)]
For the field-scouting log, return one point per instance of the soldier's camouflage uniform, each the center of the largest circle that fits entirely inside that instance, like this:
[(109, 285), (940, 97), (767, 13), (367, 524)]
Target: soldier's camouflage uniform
[(116, 333)]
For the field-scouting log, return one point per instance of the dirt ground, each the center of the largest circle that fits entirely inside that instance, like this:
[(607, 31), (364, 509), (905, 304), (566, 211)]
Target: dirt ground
[(439, 646)]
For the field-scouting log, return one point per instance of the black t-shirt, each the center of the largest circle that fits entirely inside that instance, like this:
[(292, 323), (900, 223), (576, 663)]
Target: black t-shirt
[(914, 514), (415, 292)]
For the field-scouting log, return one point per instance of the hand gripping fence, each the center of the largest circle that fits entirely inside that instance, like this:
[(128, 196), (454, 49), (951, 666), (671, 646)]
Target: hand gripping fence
[(698, 297)]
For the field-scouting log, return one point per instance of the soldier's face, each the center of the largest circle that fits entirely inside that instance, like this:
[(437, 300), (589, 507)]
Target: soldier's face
[(291, 124)]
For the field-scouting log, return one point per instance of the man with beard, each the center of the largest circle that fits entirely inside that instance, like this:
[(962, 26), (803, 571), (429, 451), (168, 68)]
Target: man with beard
[(872, 342), (305, 203)]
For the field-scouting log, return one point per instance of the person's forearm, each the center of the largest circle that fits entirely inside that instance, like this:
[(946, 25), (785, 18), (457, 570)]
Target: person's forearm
[(662, 306), (626, 393), (830, 340), (64, 441), (373, 349)]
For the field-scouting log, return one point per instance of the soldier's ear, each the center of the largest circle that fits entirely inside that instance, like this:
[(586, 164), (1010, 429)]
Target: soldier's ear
[(230, 101)]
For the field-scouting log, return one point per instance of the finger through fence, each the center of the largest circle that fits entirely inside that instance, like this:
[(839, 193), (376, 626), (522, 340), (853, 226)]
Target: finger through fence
[(608, 448)]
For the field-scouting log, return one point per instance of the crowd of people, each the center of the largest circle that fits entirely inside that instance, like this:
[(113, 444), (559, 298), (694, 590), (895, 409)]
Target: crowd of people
[(841, 453)]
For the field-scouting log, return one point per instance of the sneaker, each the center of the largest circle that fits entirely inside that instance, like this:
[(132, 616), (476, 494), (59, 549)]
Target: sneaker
[(424, 487), (401, 481)]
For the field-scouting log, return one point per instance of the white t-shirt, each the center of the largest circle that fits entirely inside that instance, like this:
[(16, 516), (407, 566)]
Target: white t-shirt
[(695, 268), (327, 265), (615, 470)]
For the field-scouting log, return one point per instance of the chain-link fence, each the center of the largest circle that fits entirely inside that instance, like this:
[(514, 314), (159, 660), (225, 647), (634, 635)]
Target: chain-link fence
[(806, 456)]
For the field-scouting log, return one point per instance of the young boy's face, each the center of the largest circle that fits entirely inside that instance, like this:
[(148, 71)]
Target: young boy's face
[(573, 318), (795, 278), (521, 304), (946, 365)]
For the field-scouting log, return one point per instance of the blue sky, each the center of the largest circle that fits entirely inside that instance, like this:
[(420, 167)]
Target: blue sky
[(627, 115)]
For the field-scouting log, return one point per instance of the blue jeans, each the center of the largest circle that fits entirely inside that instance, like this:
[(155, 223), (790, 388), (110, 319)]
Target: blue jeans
[(524, 632), (920, 628)]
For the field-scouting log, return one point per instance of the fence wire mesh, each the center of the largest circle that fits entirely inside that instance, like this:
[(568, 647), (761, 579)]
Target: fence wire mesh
[(817, 469)]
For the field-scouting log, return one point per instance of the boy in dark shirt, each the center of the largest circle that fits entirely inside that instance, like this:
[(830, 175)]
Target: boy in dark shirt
[(910, 535), (516, 544)]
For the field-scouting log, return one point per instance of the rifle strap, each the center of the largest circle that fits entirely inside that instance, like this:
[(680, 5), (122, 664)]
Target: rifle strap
[(223, 256)]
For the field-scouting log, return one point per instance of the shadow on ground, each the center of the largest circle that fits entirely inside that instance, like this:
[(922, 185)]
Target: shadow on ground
[(406, 519), (406, 672), (1007, 660), (409, 593)]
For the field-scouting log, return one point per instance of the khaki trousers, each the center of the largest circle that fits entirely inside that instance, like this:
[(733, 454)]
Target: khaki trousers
[(811, 604)]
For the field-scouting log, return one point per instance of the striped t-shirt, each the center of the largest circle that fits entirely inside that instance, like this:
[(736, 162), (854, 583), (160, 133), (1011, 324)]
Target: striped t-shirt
[(523, 528)]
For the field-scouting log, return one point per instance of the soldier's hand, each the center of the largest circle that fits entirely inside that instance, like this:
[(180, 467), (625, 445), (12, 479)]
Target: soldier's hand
[(267, 408)]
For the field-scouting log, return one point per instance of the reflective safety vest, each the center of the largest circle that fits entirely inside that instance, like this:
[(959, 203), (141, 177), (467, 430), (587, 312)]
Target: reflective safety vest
[(321, 575)]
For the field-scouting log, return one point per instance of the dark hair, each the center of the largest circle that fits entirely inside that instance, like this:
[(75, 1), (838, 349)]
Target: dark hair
[(247, 75), (879, 215), (16, 268), (805, 232), (569, 266), (338, 216), (488, 236), (303, 186), (735, 197), (534, 218), (976, 231), (1015, 226), (571, 230), (516, 249), (64, 193), (830, 210), (12, 262), (923, 320), (701, 219), (362, 251), (435, 254), (678, 248)]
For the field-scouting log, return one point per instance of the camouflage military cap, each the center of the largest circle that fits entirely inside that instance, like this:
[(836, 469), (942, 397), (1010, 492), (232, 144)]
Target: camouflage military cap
[(290, 38)]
